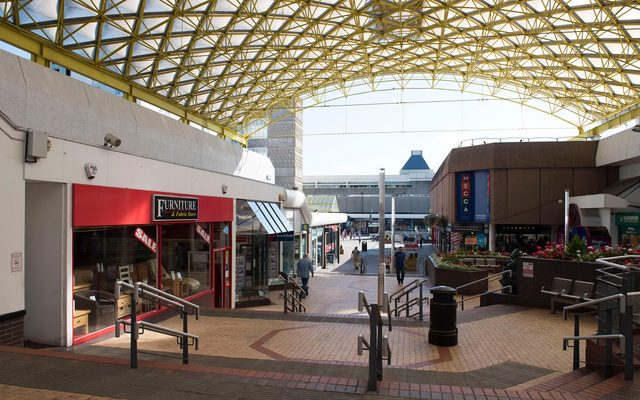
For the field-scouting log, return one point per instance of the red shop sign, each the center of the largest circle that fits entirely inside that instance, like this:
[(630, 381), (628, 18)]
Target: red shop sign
[(146, 240)]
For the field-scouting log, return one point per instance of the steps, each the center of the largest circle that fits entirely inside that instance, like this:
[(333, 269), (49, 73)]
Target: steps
[(582, 383)]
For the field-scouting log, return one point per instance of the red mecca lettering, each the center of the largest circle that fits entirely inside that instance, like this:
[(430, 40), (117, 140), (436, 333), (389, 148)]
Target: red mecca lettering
[(146, 240)]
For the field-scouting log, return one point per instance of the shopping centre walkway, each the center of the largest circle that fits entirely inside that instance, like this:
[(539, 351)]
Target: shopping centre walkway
[(504, 352)]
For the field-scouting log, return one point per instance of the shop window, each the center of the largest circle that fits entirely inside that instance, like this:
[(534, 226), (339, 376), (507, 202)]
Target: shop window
[(186, 266), (101, 256)]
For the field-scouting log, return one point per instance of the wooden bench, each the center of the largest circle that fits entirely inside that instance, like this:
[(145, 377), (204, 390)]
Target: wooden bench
[(568, 291)]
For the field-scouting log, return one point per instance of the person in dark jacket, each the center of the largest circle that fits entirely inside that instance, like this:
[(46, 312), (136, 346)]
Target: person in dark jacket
[(400, 258), (304, 270)]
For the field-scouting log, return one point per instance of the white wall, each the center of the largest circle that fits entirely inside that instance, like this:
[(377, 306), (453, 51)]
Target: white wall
[(621, 148), (12, 228), (156, 154), (38, 98), (47, 267)]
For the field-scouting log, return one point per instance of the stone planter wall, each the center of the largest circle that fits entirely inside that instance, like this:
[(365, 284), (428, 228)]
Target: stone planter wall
[(452, 278), (544, 270)]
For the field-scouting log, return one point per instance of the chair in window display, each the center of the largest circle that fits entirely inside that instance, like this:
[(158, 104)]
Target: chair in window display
[(100, 303)]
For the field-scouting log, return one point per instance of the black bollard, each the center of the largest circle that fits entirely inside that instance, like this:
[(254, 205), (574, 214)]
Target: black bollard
[(442, 326)]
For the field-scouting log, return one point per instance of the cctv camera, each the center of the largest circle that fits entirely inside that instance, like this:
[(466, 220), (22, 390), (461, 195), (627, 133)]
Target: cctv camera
[(110, 140)]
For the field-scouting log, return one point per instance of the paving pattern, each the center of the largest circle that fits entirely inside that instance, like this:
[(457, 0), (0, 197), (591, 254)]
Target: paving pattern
[(503, 352)]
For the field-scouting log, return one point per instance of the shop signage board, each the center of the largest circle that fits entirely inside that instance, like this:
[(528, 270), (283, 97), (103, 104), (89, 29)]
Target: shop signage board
[(146, 240), (173, 208), (472, 196), (200, 230), (411, 248)]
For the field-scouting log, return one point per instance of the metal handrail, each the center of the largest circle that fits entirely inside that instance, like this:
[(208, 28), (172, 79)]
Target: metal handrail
[(169, 296), (408, 289), (593, 302), (462, 299), (378, 345), (607, 261), (142, 289), (296, 291), (626, 339), (161, 329), (566, 339), (405, 292), (487, 278)]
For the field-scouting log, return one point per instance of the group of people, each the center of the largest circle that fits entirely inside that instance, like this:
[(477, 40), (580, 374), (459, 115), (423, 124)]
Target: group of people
[(400, 257), (304, 267)]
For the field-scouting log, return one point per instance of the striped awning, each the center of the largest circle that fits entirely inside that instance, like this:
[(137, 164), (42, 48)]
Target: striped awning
[(271, 217)]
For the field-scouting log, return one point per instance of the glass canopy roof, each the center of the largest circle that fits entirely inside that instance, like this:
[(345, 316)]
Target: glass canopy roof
[(232, 60)]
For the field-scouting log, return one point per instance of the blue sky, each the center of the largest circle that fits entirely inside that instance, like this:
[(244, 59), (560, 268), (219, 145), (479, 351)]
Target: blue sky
[(347, 136)]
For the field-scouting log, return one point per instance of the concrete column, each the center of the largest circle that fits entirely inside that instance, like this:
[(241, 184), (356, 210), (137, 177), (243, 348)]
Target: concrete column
[(492, 237), (284, 145)]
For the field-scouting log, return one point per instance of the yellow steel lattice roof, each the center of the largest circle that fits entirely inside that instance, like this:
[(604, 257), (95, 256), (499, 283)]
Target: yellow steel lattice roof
[(230, 60)]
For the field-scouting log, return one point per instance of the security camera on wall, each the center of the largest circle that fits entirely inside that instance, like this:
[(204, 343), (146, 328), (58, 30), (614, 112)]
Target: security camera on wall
[(111, 140)]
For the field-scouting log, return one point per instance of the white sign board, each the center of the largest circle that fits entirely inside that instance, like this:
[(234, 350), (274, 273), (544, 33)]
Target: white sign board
[(527, 269), (16, 262)]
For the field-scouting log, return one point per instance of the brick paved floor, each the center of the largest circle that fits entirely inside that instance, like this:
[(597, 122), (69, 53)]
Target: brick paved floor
[(503, 352)]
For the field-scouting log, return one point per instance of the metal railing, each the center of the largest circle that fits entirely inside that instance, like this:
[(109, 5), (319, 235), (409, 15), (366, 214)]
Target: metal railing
[(292, 294), (488, 279), (184, 339), (377, 345), (405, 294), (624, 338)]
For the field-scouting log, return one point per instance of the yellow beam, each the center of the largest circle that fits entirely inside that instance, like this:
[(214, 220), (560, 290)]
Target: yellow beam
[(615, 121), (44, 52)]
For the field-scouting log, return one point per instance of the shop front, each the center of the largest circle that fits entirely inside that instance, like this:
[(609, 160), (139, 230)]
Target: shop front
[(469, 236), (261, 233), (178, 243), (524, 237), (628, 228)]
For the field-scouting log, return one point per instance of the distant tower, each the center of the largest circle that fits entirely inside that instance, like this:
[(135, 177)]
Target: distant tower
[(415, 165), (283, 145)]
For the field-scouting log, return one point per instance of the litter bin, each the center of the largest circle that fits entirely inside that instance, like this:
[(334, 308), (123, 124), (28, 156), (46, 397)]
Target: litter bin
[(442, 325), (364, 246)]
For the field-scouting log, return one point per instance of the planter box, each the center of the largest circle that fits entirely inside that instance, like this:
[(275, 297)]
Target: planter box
[(452, 278), (543, 270)]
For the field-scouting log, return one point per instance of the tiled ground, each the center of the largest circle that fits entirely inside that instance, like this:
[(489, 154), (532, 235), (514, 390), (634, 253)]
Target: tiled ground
[(503, 352)]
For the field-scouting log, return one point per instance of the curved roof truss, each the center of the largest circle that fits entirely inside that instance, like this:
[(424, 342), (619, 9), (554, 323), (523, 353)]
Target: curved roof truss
[(228, 61)]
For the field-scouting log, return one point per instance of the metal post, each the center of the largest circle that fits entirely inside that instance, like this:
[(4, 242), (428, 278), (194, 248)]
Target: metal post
[(185, 343), (381, 226), (134, 328), (420, 308), (379, 344), (627, 330), (286, 288), (372, 385), (393, 234), (566, 217), (576, 343), (608, 346), (406, 302)]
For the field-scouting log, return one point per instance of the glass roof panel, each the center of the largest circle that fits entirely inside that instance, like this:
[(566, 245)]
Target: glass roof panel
[(257, 52)]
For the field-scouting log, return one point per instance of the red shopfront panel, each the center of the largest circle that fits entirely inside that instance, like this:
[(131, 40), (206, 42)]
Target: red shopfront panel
[(104, 206)]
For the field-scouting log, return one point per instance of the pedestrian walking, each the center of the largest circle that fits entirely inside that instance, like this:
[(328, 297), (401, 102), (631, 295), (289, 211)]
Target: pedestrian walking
[(400, 258), (363, 265), (355, 258), (304, 270)]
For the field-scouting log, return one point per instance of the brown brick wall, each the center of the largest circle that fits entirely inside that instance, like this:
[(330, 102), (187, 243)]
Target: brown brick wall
[(12, 329), (544, 270), (451, 278)]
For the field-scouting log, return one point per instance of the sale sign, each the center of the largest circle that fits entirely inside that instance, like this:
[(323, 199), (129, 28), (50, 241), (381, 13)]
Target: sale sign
[(146, 240)]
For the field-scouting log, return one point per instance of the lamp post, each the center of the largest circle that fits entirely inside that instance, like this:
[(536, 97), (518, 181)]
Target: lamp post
[(381, 268)]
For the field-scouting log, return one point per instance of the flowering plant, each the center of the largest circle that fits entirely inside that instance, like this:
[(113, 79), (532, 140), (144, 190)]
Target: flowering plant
[(577, 252)]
